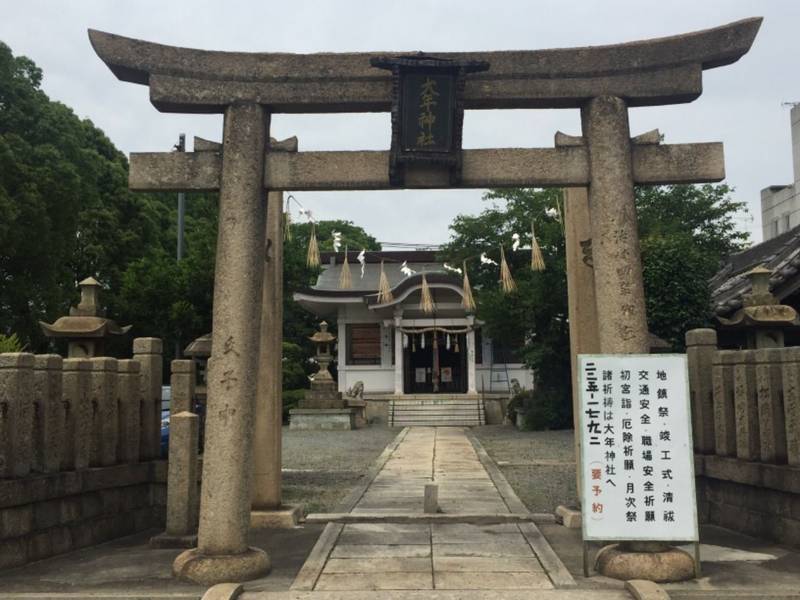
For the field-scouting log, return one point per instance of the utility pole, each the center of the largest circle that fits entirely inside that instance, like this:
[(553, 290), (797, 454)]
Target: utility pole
[(180, 147)]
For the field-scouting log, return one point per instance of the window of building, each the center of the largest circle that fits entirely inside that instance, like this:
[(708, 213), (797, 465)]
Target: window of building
[(363, 344), (786, 221), (774, 228)]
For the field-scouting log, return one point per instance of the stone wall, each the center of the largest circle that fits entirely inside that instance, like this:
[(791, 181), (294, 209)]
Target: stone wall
[(79, 451), (746, 431)]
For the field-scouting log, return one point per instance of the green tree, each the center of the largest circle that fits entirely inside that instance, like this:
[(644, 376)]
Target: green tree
[(65, 210), (534, 318), (685, 231)]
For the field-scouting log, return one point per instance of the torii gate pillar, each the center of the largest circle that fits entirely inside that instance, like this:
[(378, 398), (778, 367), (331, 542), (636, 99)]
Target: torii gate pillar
[(222, 553)]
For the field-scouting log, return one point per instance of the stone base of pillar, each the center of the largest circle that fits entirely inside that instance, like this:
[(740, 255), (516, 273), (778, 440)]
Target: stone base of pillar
[(666, 566), (166, 540), (210, 569), (285, 517)]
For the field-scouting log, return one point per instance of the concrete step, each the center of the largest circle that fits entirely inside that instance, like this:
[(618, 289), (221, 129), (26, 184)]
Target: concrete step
[(437, 411)]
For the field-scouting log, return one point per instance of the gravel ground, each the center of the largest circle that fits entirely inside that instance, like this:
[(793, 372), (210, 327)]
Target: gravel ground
[(539, 465), (321, 467)]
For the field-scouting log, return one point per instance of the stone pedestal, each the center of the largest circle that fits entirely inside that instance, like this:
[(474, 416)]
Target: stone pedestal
[(660, 566), (342, 419)]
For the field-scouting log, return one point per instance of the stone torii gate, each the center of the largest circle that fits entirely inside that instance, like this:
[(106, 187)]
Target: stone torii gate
[(603, 82)]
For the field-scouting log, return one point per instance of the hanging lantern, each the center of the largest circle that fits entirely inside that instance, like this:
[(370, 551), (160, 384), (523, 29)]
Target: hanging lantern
[(405, 340), (422, 341), (447, 342)]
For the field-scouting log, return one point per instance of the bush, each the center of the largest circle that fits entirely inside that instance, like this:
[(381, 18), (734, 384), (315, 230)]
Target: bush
[(10, 343), (290, 400), (543, 409)]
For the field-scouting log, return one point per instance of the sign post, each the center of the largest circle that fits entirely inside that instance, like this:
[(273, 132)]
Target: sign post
[(637, 461)]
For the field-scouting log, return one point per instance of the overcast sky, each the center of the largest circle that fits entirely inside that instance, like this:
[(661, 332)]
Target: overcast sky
[(741, 104)]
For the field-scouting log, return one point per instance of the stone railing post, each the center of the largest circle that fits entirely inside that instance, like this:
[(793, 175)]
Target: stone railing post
[(724, 411), (701, 344), (16, 414), (77, 413), (745, 398), (148, 352), (105, 402), (181, 380), (130, 400), (49, 418), (769, 383), (791, 402), (182, 489), (222, 552)]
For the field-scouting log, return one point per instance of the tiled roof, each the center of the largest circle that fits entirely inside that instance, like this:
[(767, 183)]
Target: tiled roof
[(781, 255)]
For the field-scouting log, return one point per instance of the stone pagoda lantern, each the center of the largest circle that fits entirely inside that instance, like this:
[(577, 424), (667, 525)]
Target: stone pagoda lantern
[(762, 318), (323, 406), (86, 328)]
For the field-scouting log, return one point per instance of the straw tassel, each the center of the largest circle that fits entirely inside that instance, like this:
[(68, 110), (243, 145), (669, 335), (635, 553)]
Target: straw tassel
[(537, 260), (345, 277), (287, 226), (467, 299), (384, 289), (426, 304), (506, 280), (312, 258)]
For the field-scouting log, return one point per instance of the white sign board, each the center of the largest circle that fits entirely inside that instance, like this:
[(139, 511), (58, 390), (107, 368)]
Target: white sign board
[(637, 461)]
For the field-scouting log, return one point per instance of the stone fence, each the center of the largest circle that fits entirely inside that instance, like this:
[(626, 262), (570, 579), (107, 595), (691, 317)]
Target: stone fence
[(746, 428), (79, 443)]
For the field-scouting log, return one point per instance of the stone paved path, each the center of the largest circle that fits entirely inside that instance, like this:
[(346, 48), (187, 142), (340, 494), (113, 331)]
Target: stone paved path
[(424, 556)]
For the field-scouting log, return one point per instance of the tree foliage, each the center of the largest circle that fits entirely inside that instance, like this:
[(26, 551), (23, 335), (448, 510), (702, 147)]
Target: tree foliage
[(685, 231), (66, 213)]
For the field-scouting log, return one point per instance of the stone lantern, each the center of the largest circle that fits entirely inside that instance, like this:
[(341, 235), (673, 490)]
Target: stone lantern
[(86, 328), (323, 406), (323, 393), (762, 318)]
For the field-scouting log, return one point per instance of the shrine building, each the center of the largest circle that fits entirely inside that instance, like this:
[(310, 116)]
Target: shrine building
[(397, 349)]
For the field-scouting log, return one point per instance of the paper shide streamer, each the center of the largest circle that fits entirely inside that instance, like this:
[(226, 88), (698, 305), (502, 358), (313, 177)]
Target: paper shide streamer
[(362, 260)]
